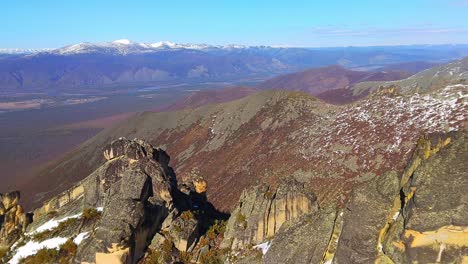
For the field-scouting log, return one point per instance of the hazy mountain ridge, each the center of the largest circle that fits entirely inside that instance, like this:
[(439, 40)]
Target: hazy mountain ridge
[(115, 64)]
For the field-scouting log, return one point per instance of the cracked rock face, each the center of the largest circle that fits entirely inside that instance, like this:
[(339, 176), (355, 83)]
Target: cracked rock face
[(263, 210), (304, 240), (436, 227)]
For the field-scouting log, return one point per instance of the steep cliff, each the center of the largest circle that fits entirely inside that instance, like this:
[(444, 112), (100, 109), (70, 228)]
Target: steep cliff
[(263, 210)]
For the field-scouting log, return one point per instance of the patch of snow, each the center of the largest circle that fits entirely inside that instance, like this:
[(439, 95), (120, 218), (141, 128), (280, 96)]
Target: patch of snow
[(122, 41), (32, 247), (100, 209), (395, 216), (51, 224), (163, 44), (263, 247), (80, 237)]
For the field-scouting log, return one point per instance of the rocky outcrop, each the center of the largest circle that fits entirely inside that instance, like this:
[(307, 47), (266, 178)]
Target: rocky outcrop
[(304, 240), (433, 227), (263, 210), (129, 204), (13, 219), (121, 155), (416, 217), (136, 189)]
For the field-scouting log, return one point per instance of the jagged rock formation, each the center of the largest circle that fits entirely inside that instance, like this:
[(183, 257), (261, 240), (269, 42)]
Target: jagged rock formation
[(137, 196), (137, 192), (13, 219), (263, 210)]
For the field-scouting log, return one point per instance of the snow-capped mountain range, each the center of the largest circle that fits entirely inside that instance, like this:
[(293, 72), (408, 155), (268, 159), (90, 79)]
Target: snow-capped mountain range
[(22, 51), (124, 62), (121, 46)]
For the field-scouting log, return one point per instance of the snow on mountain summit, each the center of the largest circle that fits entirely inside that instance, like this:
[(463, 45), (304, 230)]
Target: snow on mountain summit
[(122, 41), (126, 46), (163, 44)]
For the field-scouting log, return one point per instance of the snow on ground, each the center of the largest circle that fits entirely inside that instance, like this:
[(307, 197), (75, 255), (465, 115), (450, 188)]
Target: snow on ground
[(395, 216), (32, 247), (51, 224), (80, 237), (263, 247)]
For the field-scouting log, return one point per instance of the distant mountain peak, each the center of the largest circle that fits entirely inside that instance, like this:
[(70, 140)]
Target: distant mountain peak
[(162, 44), (126, 46), (122, 41)]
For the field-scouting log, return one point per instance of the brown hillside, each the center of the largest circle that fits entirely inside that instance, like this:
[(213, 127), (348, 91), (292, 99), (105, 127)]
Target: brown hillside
[(275, 134), (320, 80)]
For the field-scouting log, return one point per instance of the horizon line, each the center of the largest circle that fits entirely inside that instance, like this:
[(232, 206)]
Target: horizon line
[(245, 45)]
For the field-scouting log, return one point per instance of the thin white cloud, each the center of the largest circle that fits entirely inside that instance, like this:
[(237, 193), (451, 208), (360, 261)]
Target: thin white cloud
[(331, 31)]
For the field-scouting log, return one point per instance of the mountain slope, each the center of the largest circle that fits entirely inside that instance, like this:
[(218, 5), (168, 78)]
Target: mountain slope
[(205, 97), (328, 147), (430, 79), (320, 80), (413, 67)]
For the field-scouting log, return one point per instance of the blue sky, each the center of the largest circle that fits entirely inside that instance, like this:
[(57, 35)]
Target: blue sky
[(55, 23)]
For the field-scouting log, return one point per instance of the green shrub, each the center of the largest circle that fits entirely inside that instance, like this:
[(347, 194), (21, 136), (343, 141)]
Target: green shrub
[(67, 251), (50, 233), (43, 235), (90, 214), (68, 248), (52, 213), (217, 229)]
